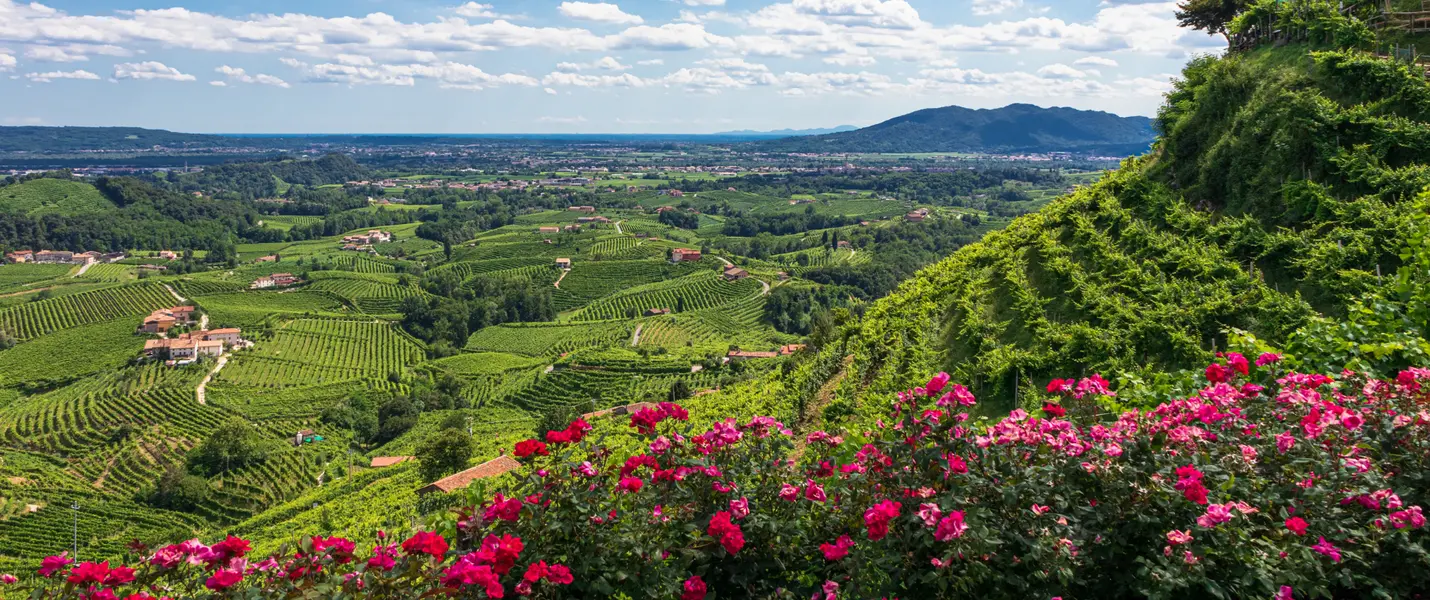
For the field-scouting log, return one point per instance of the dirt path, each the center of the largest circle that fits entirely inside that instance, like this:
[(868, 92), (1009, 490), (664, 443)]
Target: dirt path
[(82, 269), (636, 337), (23, 292), (564, 273), (204, 320), (175, 294), (766, 286), (722, 259), (203, 385), (618, 228)]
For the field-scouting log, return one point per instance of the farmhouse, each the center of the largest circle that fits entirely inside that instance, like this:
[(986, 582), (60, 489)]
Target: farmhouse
[(379, 462), (491, 468), (735, 274), (676, 193), (844, 244), (917, 216), (113, 257), (655, 312), (168, 255), (684, 255), (790, 349), (164, 319), (596, 219), (563, 264), (664, 209), (276, 280), (267, 259), (572, 227), (584, 209), (373, 236), (193, 344), (228, 335), (548, 230), (54, 256), (19, 256)]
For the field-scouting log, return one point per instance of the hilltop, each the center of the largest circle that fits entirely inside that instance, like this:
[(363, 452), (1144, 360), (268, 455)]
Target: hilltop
[(1011, 129), (71, 139)]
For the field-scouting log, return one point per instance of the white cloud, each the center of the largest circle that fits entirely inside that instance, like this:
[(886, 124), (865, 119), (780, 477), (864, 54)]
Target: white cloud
[(447, 75), (562, 120), (599, 12), (1095, 61), (994, 7), (1060, 71), (872, 13), (218, 84), (475, 11), (550, 91), (149, 70), (241, 76), (54, 54), (705, 2), (651, 62), (560, 79), (606, 63), (53, 75), (7, 62), (671, 36)]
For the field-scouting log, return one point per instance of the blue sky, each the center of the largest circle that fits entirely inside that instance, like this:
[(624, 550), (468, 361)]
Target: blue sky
[(429, 66)]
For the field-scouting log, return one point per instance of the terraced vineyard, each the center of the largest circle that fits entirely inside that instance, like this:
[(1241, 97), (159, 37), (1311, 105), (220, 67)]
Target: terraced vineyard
[(321, 351), (17, 277), (693, 292), (35, 319), (591, 281), (370, 293), (543, 340), (111, 272)]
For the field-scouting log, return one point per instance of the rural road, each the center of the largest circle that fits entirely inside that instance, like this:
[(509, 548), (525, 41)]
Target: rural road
[(727, 263), (636, 337), (175, 294), (766, 285), (618, 228), (82, 269), (203, 385), (564, 273)]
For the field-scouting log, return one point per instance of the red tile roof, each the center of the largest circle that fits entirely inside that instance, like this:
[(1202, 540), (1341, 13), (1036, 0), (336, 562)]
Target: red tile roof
[(492, 468), (379, 462)]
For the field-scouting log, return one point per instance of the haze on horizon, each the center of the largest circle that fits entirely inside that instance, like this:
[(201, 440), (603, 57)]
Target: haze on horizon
[(550, 66)]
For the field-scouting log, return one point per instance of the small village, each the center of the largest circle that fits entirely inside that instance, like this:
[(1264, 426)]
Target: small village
[(189, 346)]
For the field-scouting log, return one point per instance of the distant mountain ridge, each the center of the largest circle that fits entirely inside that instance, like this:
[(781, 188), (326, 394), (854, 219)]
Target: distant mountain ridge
[(791, 132), (1015, 128)]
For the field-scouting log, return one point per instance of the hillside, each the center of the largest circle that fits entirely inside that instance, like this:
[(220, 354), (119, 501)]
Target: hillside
[(1280, 192), (71, 139), (1013, 128), (53, 196)]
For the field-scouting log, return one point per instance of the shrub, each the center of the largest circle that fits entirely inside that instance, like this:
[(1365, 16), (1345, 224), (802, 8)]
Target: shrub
[(1266, 483), (446, 452)]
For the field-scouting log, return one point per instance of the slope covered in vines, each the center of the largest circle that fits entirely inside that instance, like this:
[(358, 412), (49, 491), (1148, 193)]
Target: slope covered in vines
[(1279, 191)]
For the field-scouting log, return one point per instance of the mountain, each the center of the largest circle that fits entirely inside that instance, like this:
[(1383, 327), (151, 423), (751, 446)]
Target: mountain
[(1014, 128), (790, 132)]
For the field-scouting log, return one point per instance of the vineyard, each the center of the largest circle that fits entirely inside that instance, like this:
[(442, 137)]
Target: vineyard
[(591, 281), (46, 316), (692, 292), (16, 277), (545, 340), (322, 351), (372, 294), (71, 353)]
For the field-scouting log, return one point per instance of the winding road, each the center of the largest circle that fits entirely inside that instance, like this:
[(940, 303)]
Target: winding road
[(636, 337), (175, 294), (203, 385)]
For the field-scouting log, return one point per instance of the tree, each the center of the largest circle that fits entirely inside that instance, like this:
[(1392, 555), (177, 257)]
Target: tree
[(233, 445), (679, 391), (444, 453), (1211, 16), (7, 341), (178, 490)]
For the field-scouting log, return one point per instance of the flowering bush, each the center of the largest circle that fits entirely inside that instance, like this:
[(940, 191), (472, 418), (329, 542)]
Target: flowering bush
[(1265, 484)]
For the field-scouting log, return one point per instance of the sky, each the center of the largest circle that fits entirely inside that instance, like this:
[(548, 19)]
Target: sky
[(555, 66)]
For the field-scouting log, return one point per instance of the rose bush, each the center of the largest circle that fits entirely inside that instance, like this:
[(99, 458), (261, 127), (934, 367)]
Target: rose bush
[(1265, 484)]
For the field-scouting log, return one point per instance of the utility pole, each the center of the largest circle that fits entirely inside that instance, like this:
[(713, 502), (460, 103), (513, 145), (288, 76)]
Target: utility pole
[(75, 508)]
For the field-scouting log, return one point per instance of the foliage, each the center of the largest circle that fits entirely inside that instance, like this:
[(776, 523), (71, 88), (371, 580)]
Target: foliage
[(1211, 16), (233, 445), (444, 453), (1268, 483)]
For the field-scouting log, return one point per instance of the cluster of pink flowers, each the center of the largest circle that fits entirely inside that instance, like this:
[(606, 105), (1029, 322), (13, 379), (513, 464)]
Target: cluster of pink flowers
[(1175, 489)]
